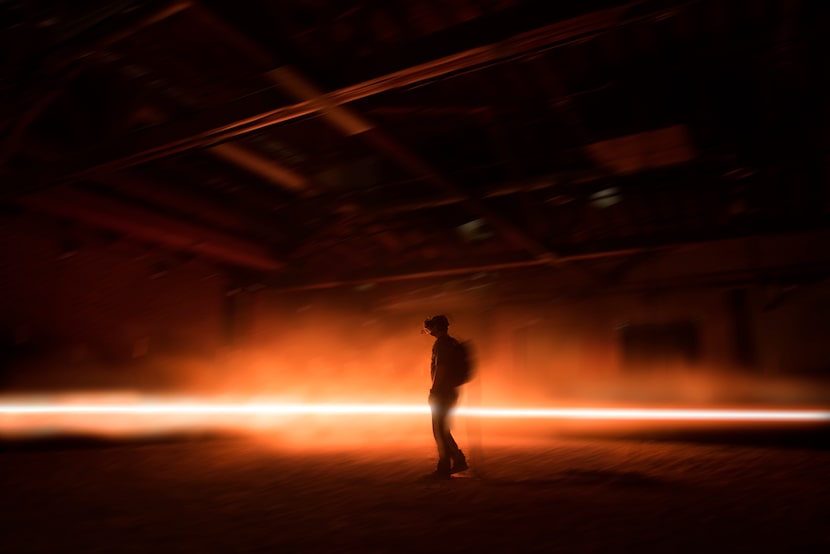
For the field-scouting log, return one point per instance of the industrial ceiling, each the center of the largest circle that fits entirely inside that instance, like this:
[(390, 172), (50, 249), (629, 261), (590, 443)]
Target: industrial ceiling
[(313, 143)]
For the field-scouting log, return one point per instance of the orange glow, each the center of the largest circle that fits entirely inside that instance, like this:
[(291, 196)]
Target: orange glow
[(128, 415), (260, 408)]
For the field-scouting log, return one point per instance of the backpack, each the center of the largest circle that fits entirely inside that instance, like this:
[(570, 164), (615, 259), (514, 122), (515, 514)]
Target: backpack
[(462, 367)]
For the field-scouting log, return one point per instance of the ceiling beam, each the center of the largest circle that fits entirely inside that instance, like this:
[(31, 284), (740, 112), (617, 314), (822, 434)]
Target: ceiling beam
[(38, 103), (416, 272), (778, 276), (200, 207), (234, 153), (112, 215), (169, 195), (252, 113), (350, 123), (258, 164), (171, 9), (574, 186), (638, 247)]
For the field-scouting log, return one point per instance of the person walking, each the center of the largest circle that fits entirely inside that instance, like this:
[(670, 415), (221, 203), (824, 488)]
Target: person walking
[(448, 373)]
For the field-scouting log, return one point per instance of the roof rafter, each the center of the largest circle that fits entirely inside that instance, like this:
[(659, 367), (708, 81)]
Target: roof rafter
[(252, 113)]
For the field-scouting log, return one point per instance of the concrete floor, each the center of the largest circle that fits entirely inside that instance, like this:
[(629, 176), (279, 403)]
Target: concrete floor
[(629, 492)]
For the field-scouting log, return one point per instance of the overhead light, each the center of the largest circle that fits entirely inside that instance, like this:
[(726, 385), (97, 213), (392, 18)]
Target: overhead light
[(606, 198), (474, 230)]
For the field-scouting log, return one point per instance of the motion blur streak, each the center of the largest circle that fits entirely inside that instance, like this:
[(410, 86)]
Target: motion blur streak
[(650, 414), (171, 408)]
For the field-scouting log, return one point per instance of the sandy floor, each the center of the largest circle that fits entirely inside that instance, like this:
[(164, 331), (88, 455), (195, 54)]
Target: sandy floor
[(563, 494)]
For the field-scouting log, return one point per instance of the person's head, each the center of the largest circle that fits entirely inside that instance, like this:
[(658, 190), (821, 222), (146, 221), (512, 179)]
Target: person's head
[(437, 325)]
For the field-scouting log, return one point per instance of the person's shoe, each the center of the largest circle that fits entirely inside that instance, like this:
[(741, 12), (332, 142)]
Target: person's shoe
[(459, 465), (442, 470)]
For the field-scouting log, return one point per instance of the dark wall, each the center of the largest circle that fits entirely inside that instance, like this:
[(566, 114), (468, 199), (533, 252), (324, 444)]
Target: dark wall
[(76, 301)]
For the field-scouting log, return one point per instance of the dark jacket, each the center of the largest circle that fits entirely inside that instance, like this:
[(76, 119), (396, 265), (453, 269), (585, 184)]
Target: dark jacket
[(444, 356)]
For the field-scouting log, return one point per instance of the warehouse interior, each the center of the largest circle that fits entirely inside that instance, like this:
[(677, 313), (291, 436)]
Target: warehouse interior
[(616, 203), (587, 187)]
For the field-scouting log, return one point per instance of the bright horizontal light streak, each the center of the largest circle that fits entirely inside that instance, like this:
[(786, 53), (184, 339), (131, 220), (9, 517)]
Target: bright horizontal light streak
[(208, 409), (216, 409), (649, 414)]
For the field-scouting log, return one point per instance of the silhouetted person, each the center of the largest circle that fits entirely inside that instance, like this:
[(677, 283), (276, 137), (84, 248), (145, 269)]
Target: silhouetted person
[(443, 395)]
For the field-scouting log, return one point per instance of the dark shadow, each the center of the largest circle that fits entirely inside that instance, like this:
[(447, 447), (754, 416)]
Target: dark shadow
[(813, 437), (583, 477), (530, 483), (613, 478), (81, 441)]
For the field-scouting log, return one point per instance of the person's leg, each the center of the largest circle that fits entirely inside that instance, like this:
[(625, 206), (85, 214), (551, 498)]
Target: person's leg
[(452, 446), (459, 462), (440, 430), (438, 421), (457, 456)]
